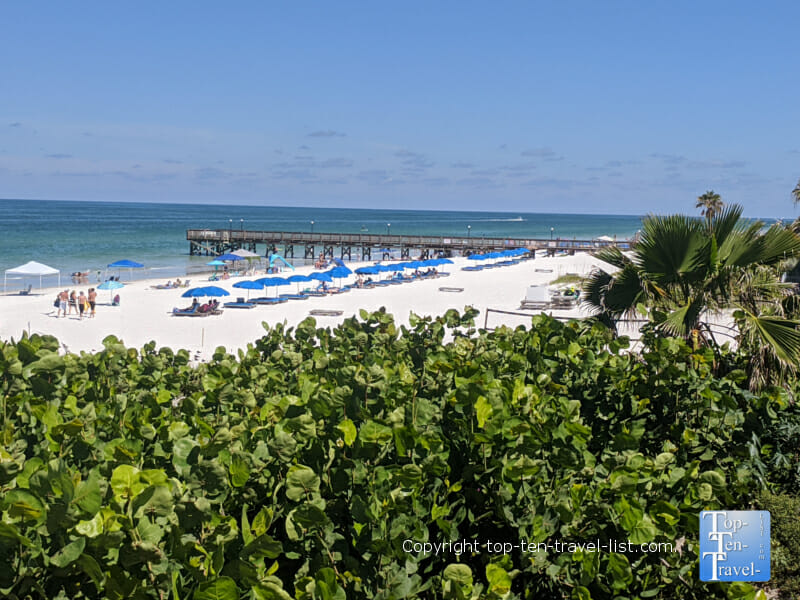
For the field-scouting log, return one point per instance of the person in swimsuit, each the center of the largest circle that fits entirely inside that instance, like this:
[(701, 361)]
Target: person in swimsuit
[(63, 300), (73, 302), (81, 304), (92, 301)]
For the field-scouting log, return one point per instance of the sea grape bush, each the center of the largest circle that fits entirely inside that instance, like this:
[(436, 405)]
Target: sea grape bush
[(297, 468)]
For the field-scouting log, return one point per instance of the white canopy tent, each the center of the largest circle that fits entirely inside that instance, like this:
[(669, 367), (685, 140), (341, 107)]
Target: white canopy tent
[(32, 269)]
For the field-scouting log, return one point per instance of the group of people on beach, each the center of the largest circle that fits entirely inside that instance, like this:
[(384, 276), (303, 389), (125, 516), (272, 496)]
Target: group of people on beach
[(67, 302)]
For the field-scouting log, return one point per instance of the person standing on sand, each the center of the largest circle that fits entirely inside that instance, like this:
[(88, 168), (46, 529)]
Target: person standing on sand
[(81, 304), (92, 301), (63, 299), (73, 302)]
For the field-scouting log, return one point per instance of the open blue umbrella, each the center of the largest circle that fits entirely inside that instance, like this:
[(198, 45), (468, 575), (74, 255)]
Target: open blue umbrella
[(339, 272), (110, 285), (298, 279), (216, 263), (272, 282), (248, 285), (370, 270), (231, 257), (321, 277), (476, 257), (209, 290)]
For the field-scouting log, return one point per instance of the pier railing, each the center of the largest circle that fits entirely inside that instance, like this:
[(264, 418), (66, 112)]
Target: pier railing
[(241, 237)]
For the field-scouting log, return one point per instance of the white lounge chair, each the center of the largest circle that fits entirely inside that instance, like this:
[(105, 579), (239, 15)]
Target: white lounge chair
[(537, 296)]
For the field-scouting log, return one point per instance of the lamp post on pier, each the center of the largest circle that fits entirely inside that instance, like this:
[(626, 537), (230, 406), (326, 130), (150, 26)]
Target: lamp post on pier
[(312, 226), (552, 229), (388, 228), (469, 230)]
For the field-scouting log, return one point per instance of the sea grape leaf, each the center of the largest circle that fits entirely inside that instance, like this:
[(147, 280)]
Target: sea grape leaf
[(221, 588), (69, 553), (240, 471), (88, 494), (22, 504), (348, 429), (125, 482), (374, 433), (300, 481)]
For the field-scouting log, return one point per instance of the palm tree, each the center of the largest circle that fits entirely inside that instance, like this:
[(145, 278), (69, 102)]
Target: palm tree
[(796, 193), (682, 270), (711, 203)]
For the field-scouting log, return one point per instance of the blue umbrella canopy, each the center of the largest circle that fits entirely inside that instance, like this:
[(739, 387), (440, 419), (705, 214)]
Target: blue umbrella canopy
[(476, 257), (339, 272), (110, 285), (216, 263), (272, 281), (371, 270), (229, 257), (445, 261), (394, 267), (321, 277), (209, 290), (298, 278), (128, 264), (339, 262), (248, 285)]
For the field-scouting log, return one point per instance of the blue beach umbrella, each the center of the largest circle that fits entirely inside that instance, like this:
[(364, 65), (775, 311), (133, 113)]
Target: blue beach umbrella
[(298, 279), (321, 277), (272, 282), (231, 257), (340, 272), (215, 263), (248, 285), (475, 257), (371, 270), (209, 290), (110, 285)]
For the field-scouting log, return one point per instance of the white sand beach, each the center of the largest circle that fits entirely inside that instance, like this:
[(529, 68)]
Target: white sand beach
[(145, 313)]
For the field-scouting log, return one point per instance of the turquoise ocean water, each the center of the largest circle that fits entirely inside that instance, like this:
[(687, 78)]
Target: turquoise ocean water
[(80, 236)]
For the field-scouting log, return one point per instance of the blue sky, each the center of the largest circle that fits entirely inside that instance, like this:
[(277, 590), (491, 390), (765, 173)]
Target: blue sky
[(598, 107)]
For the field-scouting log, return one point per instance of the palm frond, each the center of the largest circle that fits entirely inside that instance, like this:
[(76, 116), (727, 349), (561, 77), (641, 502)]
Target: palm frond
[(780, 335)]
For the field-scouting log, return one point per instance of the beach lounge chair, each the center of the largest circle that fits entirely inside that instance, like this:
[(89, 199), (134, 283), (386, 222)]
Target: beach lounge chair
[(475, 268), (321, 312), (240, 303), (26, 292), (294, 296), (451, 289), (268, 300), (537, 296)]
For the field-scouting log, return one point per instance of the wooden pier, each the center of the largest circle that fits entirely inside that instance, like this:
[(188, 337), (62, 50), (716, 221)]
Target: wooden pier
[(362, 246)]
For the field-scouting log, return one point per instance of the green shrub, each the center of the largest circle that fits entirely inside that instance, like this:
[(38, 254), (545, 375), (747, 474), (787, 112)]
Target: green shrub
[(299, 467)]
